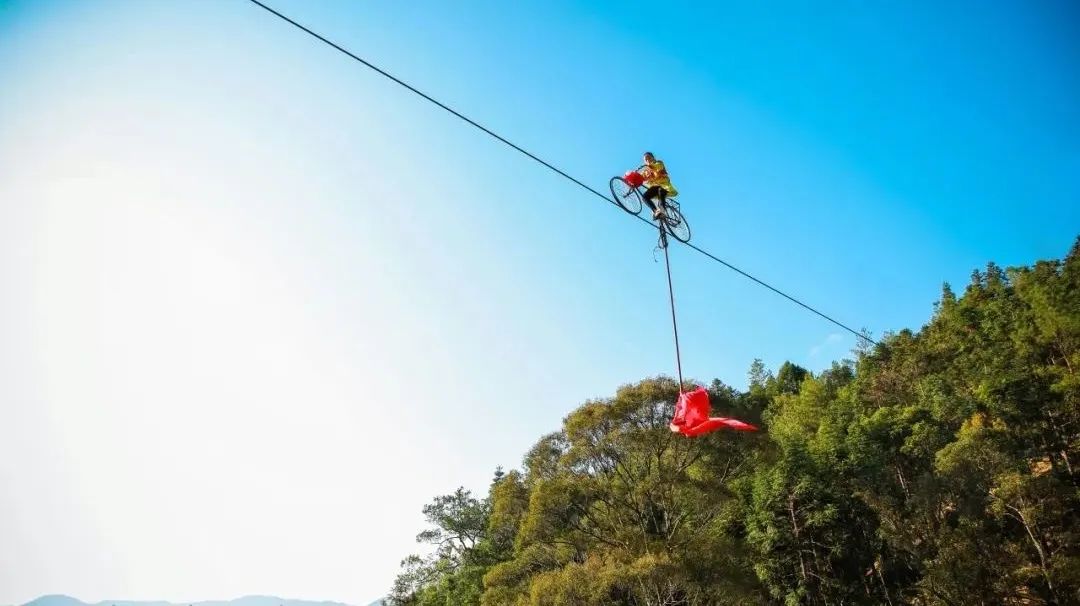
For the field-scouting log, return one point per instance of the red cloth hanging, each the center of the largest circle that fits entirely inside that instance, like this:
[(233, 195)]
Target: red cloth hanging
[(692, 416)]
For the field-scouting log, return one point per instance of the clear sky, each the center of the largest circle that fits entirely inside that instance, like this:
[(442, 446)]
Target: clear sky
[(258, 305)]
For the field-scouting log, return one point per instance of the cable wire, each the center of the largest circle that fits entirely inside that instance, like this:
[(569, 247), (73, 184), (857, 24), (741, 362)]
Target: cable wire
[(544, 163), (671, 298)]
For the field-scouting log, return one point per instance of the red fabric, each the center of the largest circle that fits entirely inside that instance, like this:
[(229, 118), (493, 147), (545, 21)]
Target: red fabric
[(714, 423), (692, 416), (633, 178)]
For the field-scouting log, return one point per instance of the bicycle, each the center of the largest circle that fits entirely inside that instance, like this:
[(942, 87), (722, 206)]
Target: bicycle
[(627, 192)]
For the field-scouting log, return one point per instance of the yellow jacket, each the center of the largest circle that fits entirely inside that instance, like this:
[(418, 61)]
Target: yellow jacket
[(655, 173)]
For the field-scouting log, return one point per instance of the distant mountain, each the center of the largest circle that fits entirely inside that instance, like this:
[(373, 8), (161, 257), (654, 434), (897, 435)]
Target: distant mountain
[(251, 600)]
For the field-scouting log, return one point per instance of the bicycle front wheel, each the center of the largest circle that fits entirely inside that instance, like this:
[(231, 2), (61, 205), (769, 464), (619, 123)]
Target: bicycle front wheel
[(676, 224), (628, 198)]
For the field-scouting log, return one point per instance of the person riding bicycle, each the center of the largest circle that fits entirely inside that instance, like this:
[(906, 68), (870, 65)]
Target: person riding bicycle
[(657, 184)]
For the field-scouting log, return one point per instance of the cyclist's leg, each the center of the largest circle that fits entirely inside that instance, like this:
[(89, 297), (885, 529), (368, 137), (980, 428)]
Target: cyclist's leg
[(651, 193), (648, 196)]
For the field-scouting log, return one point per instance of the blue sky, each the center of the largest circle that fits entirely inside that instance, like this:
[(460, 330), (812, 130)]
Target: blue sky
[(215, 232)]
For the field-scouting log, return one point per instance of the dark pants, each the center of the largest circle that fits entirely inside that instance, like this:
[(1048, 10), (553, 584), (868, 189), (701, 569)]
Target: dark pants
[(655, 192)]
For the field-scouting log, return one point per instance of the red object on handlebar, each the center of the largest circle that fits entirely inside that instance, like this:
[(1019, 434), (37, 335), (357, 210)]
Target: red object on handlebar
[(633, 178)]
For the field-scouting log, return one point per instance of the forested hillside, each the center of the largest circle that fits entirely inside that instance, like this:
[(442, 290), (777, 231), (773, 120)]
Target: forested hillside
[(939, 467)]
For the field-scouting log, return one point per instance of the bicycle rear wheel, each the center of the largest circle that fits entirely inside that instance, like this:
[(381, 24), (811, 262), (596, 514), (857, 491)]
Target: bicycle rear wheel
[(628, 198), (676, 224)]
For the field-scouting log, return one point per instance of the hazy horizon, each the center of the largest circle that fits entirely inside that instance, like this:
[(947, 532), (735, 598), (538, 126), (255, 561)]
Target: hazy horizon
[(245, 600)]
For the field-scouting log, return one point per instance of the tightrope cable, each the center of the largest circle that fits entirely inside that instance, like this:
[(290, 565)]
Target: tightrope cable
[(552, 168)]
